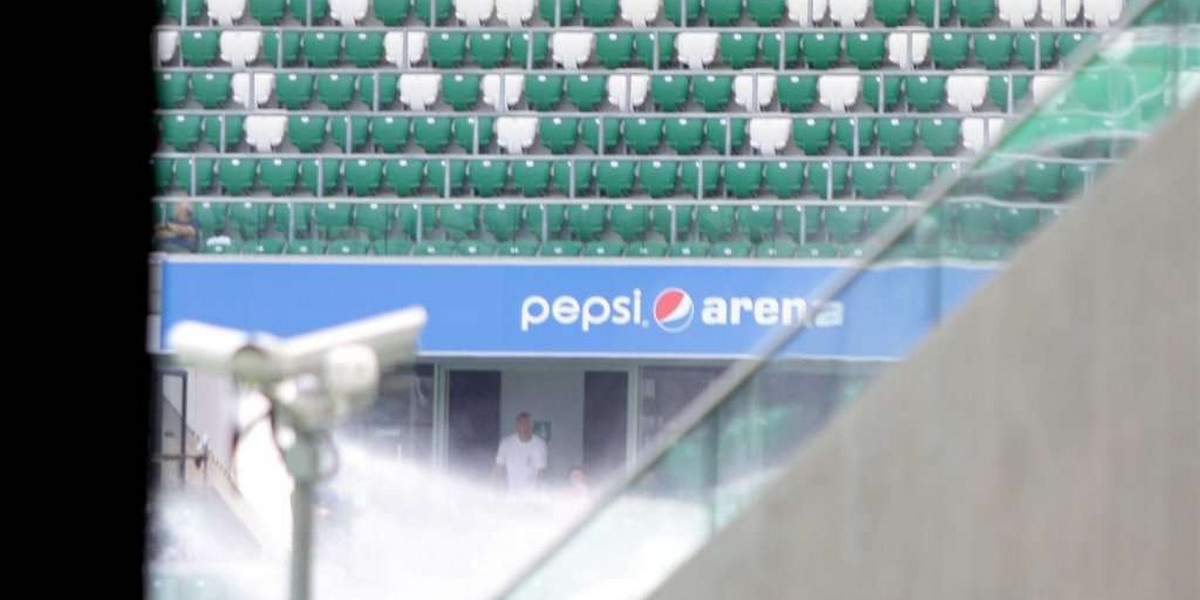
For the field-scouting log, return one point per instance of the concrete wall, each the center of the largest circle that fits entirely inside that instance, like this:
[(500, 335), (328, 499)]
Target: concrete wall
[(550, 395), (1049, 442)]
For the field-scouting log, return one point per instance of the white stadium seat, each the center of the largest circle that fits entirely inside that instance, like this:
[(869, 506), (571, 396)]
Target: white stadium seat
[(419, 90), (265, 132), (639, 13), (1044, 85), (839, 92), (572, 48), (393, 47), (474, 13), (978, 133), (1102, 13), (264, 86), (1017, 12), (514, 12), (898, 47), (348, 12), (166, 44), (1052, 11), (636, 86), (225, 12), (966, 89), (848, 13), (513, 86), (798, 11), (744, 90), (696, 49), (769, 135), (240, 48), (516, 134)]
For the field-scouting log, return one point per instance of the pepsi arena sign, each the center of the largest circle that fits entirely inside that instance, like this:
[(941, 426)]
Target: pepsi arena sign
[(674, 311)]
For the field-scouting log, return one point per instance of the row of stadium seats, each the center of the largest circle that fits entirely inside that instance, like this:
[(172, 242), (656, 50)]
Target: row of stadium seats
[(767, 136), (964, 91), (617, 178), (640, 13), (967, 221), (575, 49)]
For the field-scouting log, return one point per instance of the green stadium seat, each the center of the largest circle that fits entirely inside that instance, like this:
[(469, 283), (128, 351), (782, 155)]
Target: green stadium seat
[(584, 175), (629, 220), (998, 89), (392, 12), (926, 8), (438, 171), (811, 134), (598, 13), (358, 132), (897, 135), (1028, 45), (306, 247), (891, 91), (586, 220), (784, 179), (164, 173), (940, 136), (843, 134), (464, 129), (221, 245), (554, 215), (283, 217), (822, 50), (1017, 223), (321, 49), (560, 248), (743, 179), (689, 250), (976, 13), (797, 93), (487, 177), (459, 220), (801, 223), (613, 50), (488, 50), (519, 47), (172, 89), (586, 92), (827, 178), (204, 169), (461, 91), (646, 249), (212, 90), (950, 50), (565, 10), (614, 178), (333, 218), (432, 134), (279, 175), (531, 177), (404, 176), (590, 132), (684, 136), (867, 50), (211, 218), (658, 177), (690, 177), (237, 175), (776, 249), (892, 12), (543, 92), (990, 252), (716, 134), (442, 10), (643, 135), (756, 221), (200, 48), (870, 179), (994, 50), (446, 50), (364, 49), (375, 219), (393, 247), (1068, 42), (518, 248), (502, 220), (233, 130), (1001, 183), (672, 9), (976, 222), (320, 10), (335, 90), (1044, 180), (925, 92), (766, 13), (174, 9), (475, 248), (295, 90), (723, 13), (643, 44), (771, 49), (738, 50), (670, 92), (363, 176), (286, 54), (434, 247), (264, 246), (715, 221), (844, 223), (390, 134), (912, 177), (181, 132), (878, 216), (734, 249), (407, 216), (558, 134), (1074, 178), (347, 248), (712, 92)]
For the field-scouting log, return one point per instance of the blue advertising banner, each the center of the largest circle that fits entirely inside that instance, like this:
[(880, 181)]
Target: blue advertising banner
[(578, 308)]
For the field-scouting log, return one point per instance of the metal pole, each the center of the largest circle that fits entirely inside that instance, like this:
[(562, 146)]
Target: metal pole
[(302, 523)]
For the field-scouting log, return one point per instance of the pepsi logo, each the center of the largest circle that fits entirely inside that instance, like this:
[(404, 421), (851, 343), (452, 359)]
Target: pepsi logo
[(673, 310)]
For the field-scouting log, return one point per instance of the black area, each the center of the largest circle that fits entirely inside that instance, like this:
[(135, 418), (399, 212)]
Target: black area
[(474, 422), (605, 410)]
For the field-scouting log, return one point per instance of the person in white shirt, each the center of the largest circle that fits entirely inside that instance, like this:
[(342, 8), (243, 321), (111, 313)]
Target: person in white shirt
[(522, 457)]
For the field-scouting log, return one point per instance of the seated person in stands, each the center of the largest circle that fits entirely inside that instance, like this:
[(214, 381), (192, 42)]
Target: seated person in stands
[(179, 233)]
